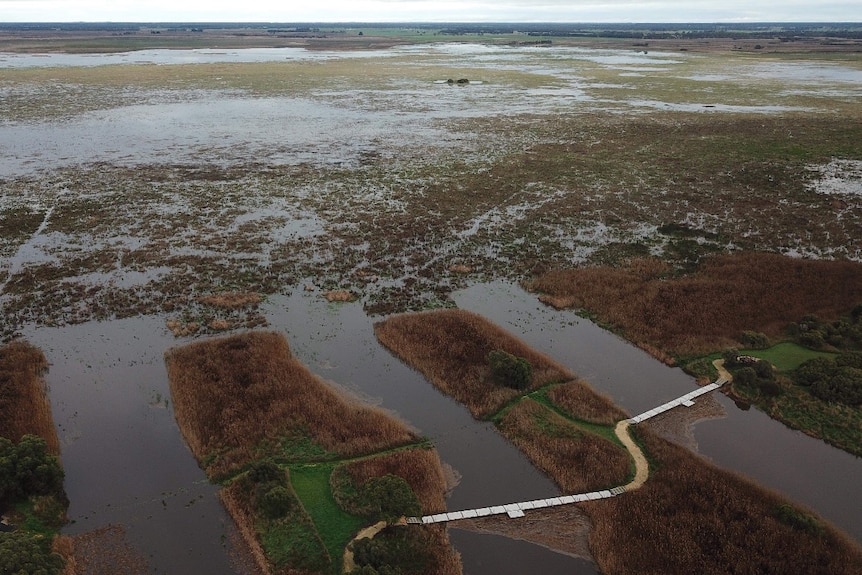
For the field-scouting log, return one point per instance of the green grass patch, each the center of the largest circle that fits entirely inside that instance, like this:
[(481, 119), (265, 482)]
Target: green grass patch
[(787, 356), (335, 526)]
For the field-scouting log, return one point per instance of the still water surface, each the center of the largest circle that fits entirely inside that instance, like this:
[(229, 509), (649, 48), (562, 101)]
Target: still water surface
[(126, 462)]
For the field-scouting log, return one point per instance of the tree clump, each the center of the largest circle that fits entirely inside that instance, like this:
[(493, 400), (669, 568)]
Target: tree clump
[(509, 370), (836, 380)]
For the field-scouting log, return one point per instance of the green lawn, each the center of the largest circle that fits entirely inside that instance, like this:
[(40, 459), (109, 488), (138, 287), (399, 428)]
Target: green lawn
[(335, 527), (786, 356)]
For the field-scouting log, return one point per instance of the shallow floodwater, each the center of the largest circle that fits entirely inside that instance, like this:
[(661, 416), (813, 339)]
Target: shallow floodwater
[(125, 460), (804, 469), (127, 464)]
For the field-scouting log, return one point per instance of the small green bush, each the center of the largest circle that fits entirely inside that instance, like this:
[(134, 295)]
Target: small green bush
[(388, 498), (276, 502), (509, 370), (754, 340), (845, 386), (28, 554), (798, 520), (27, 469)]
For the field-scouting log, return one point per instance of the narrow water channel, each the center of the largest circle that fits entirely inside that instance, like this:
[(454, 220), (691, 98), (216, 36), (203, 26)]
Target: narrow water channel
[(806, 470), (126, 462)]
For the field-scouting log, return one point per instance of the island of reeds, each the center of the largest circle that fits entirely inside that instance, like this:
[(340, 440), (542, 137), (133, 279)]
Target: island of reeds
[(304, 467), (689, 516), (32, 501), (790, 329)]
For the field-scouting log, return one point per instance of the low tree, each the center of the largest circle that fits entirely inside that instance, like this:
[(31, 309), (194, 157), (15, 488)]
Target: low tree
[(510, 370), (389, 497)]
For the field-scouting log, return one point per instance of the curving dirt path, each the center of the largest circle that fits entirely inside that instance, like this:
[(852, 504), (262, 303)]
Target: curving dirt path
[(367, 533), (641, 464), (722, 372)]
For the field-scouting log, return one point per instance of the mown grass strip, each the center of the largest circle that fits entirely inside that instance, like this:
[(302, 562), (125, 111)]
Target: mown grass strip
[(787, 356), (335, 526)]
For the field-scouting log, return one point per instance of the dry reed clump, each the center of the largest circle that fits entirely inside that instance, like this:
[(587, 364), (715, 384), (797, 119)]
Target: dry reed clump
[(451, 347), (578, 461), (231, 300), (339, 296), (692, 517), (235, 398), (24, 405), (420, 468), (709, 308), (580, 401)]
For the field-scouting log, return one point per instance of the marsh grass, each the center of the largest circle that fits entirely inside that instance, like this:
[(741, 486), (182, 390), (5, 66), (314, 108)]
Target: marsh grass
[(692, 517), (709, 308), (578, 460), (237, 398), (24, 405), (420, 468), (250, 411), (451, 347)]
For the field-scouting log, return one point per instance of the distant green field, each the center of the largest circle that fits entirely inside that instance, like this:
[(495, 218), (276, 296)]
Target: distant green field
[(787, 356)]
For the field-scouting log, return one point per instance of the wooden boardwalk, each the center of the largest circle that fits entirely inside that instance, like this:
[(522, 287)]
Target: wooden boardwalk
[(517, 509)]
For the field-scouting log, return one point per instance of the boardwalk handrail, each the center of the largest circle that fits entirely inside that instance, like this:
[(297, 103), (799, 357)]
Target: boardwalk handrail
[(641, 471)]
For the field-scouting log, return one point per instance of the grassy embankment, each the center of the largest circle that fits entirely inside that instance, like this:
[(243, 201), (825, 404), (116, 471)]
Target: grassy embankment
[(720, 522), (682, 319), (300, 462), (31, 479)]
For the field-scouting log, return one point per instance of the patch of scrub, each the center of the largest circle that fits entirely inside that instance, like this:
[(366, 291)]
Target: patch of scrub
[(838, 177)]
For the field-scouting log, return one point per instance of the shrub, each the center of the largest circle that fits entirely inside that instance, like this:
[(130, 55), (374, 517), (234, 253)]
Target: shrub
[(812, 339), (509, 370), (800, 521), (754, 340), (25, 553), (276, 502), (850, 359), (769, 387), (264, 471), (845, 386), (26, 469), (764, 370), (389, 497), (813, 371), (745, 377), (395, 550)]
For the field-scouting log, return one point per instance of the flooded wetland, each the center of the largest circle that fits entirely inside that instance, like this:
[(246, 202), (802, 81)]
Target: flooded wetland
[(155, 198)]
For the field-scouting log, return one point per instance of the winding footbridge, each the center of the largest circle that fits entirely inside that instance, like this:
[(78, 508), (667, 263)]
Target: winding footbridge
[(622, 432)]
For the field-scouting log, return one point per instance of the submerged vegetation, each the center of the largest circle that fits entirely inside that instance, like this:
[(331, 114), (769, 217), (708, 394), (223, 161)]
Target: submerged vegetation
[(676, 183), (689, 516), (303, 465)]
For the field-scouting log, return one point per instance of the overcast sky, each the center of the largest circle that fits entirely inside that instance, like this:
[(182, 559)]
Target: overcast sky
[(431, 10)]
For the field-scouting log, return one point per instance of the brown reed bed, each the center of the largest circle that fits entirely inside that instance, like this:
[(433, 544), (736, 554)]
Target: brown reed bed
[(420, 468), (244, 397), (579, 461), (692, 517), (24, 405), (451, 347), (709, 308), (580, 401)]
